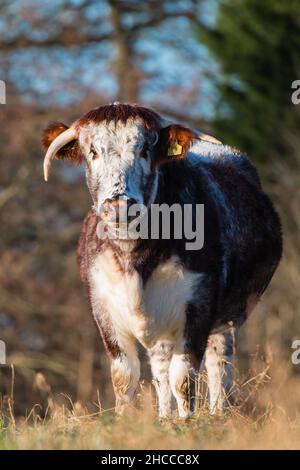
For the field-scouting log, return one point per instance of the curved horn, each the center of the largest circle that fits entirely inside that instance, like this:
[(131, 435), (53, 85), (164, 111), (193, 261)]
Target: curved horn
[(208, 138), (61, 140)]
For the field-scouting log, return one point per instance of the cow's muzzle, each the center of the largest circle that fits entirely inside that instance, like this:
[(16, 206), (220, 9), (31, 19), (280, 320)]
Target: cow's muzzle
[(119, 210)]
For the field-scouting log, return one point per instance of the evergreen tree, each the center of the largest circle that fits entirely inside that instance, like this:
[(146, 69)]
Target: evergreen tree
[(257, 45)]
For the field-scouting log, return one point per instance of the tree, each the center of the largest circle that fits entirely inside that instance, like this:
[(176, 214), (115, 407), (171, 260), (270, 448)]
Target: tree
[(257, 46), (68, 46)]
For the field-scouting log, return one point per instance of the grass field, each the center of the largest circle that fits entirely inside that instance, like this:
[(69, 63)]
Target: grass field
[(265, 417)]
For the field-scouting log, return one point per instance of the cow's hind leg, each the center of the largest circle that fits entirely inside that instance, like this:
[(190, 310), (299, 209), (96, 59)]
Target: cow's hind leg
[(219, 358), (184, 368), (187, 357), (160, 357)]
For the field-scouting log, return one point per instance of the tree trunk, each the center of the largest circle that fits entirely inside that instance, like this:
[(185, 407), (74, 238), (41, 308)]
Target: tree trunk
[(124, 67)]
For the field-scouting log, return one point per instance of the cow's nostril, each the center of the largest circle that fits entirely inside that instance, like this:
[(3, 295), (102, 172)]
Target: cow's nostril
[(120, 201), (118, 209)]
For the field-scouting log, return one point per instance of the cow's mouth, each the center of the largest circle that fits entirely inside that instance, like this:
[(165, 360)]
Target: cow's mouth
[(123, 230), (116, 221)]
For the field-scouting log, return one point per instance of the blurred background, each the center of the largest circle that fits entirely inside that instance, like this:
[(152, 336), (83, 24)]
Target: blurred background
[(223, 66)]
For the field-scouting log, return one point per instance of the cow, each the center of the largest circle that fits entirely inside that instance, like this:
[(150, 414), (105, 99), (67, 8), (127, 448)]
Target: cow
[(183, 305)]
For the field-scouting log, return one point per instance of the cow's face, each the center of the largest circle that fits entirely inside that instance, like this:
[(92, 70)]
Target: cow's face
[(119, 162), (123, 147)]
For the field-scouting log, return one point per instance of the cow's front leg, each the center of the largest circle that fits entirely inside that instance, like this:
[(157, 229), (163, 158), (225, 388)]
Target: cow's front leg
[(124, 361), (181, 374), (125, 374), (219, 358), (160, 357)]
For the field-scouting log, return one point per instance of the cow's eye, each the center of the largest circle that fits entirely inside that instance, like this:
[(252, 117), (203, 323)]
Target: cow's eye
[(93, 153)]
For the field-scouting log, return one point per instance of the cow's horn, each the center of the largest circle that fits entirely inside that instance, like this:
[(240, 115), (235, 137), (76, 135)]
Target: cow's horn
[(61, 140)]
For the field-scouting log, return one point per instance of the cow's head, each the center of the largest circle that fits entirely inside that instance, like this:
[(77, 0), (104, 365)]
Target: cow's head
[(123, 146)]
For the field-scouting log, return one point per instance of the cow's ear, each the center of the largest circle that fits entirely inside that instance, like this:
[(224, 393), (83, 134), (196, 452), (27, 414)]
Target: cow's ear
[(70, 151), (173, 143)]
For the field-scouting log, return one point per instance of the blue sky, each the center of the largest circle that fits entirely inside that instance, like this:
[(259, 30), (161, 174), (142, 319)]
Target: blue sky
[(177, 64)]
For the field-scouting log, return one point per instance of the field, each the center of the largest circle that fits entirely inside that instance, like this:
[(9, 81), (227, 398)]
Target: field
[(266, 418)]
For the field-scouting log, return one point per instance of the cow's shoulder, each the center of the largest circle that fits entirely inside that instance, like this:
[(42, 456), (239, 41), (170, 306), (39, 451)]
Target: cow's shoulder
[(228, 159)]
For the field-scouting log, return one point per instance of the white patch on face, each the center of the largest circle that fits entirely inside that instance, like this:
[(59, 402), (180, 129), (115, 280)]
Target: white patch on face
[(119, 169)]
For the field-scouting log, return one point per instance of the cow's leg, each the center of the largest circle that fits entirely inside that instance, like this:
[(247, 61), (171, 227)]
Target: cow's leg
[(160, 357), (124, 361), (125, 374), (219, 357), (181, 374), (184, 367), (188, 354)]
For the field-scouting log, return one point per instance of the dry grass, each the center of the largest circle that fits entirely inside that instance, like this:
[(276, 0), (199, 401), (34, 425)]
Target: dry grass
[(265, 417)]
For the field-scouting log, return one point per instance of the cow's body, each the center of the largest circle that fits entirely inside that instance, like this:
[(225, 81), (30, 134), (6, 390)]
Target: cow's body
[(166, 297), (179, 303)]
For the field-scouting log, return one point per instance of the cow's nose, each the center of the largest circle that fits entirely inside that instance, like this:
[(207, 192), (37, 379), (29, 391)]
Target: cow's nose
[(117, 209)]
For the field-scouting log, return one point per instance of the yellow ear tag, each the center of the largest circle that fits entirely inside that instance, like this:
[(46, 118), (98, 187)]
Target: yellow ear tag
[(174, 149)]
